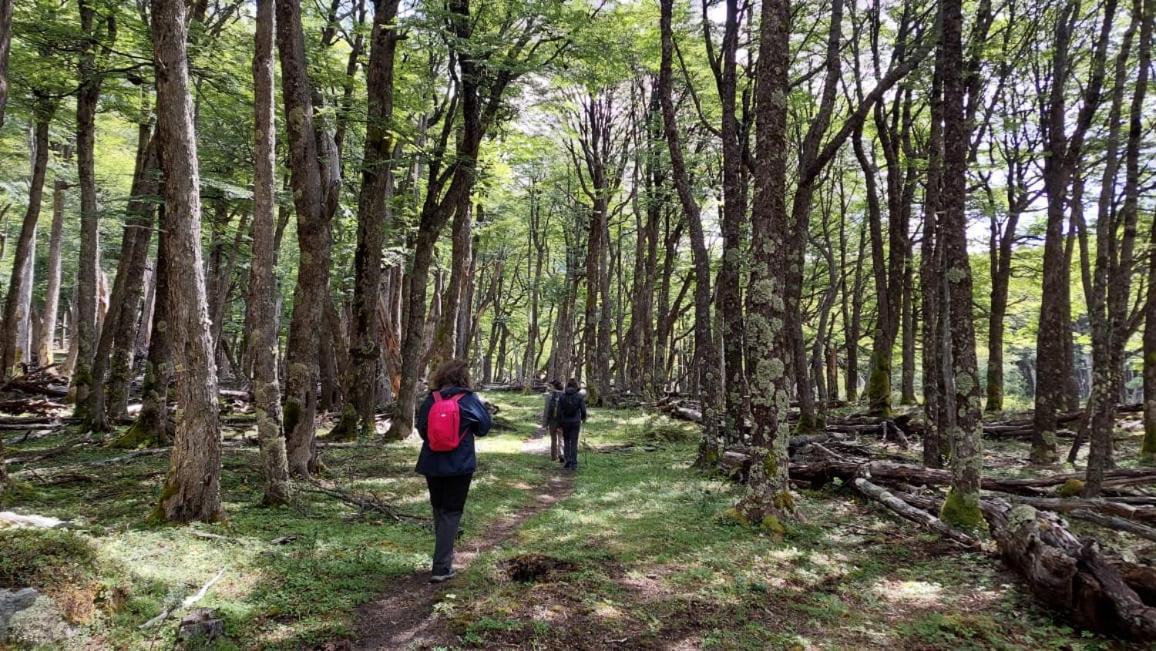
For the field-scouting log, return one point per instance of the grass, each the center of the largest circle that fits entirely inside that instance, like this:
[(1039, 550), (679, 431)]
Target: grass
[(649, 560)]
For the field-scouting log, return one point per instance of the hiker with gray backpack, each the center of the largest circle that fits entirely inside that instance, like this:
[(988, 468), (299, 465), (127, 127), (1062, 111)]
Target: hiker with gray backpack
[(571, 415), (550, 412), (447, 421)]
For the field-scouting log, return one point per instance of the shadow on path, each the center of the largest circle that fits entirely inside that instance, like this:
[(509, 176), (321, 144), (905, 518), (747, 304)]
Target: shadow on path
[(403, 616)]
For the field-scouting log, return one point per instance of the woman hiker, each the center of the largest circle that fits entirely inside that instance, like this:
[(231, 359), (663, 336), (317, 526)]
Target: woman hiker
[(447, 421)]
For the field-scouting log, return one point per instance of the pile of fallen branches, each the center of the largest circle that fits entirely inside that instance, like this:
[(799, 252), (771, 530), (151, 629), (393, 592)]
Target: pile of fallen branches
[(1096, 588), (36, 382), (363, 501)]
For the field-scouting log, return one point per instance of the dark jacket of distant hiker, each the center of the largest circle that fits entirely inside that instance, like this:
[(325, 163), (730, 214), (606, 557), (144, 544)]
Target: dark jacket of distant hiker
[(462, 460), (573, 407)]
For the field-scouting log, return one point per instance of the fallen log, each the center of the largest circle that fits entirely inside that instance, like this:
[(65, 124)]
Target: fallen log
[(1113, 522), (918, 516), (1068, 574), (736, 462), (1114, 508)]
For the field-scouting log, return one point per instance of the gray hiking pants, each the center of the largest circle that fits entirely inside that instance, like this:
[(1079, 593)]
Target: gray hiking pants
[(447, 496)]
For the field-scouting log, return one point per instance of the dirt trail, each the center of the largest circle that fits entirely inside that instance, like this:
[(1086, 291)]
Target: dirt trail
[(402, 617)]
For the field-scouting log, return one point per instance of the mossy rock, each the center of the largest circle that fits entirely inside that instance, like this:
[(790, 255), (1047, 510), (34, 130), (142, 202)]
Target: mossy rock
[(1071, 488)]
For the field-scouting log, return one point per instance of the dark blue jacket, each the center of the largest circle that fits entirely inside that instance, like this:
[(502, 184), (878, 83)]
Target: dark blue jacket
[(462, 460), (570, 394)]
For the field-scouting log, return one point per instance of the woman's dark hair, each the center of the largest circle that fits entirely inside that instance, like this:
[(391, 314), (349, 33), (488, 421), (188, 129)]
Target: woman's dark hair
[(572, 383), (556, 385), (453, 373)]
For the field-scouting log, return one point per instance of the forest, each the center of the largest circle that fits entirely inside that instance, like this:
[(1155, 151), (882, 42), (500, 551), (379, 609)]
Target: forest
[(862, 296)]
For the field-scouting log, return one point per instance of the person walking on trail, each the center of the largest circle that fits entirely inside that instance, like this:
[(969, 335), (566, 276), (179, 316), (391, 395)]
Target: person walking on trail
[(572, 414), (550, 415), (448, 420)]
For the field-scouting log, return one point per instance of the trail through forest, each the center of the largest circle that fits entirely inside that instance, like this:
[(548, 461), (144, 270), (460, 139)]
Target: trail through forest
[(404, 616)]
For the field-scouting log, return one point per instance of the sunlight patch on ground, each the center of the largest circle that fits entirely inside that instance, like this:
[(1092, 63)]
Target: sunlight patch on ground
[(921, 594)]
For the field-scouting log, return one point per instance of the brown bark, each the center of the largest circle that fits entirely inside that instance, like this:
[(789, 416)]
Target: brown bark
[(261, 311), (46, 333), (109, 395), (598, 159), (1063, 156), (5, 48), (734, 139), (706, 352), (87, 96), (480, 104), (1109, 300), (16, 309), (373, 217), (935, 411), (310, 196), (192, 487)]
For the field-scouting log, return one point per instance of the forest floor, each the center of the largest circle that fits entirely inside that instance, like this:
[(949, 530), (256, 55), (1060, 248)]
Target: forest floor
[(632, 552)]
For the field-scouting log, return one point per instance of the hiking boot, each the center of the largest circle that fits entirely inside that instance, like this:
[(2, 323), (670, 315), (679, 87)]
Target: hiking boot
[(442, 578)]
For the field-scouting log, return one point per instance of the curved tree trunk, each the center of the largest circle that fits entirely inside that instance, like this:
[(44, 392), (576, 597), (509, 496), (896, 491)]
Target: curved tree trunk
[(706, 352), (16, 307), (372, 219), (120, 320), (314, 240)]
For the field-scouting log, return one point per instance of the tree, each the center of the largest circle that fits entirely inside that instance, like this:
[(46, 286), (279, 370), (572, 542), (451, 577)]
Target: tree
[(87, 96), (46, 333), (5, 48), (1063, 153), (192, 487), (16, 306), (706, 352), (372, 220), (1109, 299), (314, 195), (768, 495), (262, 304), (961, 508)]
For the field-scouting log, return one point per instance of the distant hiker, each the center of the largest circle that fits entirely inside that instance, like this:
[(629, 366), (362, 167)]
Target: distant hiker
[(572, 413), (448, 420), (550, 415)]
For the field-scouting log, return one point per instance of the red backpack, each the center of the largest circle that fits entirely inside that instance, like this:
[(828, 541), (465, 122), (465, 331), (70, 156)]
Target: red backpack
[(443, 427)]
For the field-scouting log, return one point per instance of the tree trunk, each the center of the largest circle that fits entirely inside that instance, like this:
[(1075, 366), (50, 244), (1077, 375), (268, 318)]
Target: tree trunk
[(706, 353), (311, 195), (152, 424), (1115, 243), (768, 495), (1053, 342), (192, 487), (373, 217), (120, 319), (931, 298), (16, 310), (907, 377), (87, 96), (5, 48), (961, 508), (47, 331), (262, 303)]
